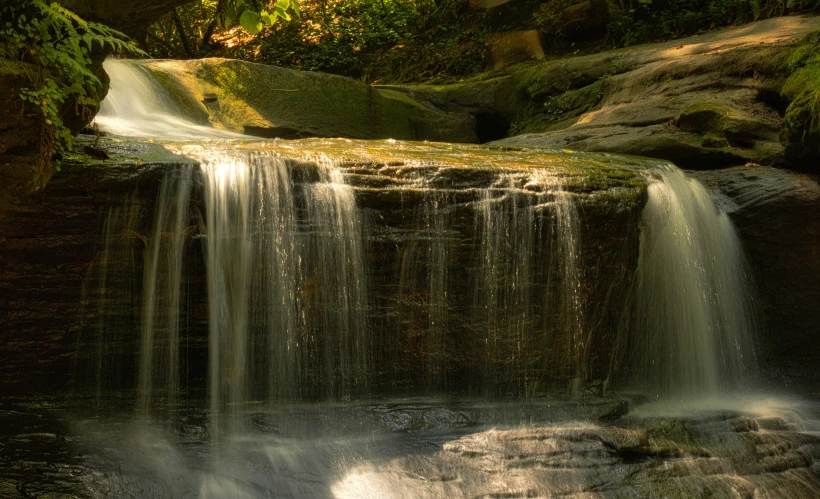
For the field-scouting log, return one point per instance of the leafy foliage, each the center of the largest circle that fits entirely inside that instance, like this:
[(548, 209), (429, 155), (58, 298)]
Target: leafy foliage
[(58, 44), (549, 18), (383, 41), (641, 21), (374, 40), (253, 21)]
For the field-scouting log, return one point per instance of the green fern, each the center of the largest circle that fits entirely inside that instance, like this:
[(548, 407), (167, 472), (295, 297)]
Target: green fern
[(58, 43)]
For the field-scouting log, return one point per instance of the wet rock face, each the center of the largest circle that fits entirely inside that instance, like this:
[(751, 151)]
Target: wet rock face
[(21, 168), (465, 255), (777, 213), (49, 242), (468, 273)]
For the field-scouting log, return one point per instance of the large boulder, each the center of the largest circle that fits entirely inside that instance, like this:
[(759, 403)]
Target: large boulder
[(271, 102), (704, 101)]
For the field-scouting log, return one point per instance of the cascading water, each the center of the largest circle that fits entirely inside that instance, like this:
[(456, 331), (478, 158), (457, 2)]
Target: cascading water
[(693, 300), (288, 257), (162, 290), (286, 287), (109, 285), (339, 271), (529, 237), (139, 105)]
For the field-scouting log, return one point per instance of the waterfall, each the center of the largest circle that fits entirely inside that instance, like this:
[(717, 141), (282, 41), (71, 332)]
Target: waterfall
[(529, 277), (143, 105), (285, 279), (162, 290), (493, 286), (333, 317), (693, 299), (111, 286)]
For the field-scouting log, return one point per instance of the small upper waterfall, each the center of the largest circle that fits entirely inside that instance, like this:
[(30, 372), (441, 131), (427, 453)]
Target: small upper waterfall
[(140, 104), (340, 270)]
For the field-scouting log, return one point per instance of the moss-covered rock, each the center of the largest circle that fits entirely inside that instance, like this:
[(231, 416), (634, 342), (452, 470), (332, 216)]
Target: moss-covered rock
[(704, 101), (270, 102), (801, 124), (705, 117), (22, 168)]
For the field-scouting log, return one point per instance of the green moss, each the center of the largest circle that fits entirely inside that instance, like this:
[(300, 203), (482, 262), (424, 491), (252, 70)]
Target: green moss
[(800, 135), (186, 105), (768, 153), (714, 141), (705, 117)]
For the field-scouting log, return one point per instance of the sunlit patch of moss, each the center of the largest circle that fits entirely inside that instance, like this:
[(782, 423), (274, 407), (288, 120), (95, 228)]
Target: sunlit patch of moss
[(186, 105)]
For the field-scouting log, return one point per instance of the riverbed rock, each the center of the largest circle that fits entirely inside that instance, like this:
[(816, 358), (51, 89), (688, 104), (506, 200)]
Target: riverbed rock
[(583, 460)]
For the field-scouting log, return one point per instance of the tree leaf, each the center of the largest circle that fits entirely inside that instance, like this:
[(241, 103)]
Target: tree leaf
[(281, 13), (250, 22), (267, 17)]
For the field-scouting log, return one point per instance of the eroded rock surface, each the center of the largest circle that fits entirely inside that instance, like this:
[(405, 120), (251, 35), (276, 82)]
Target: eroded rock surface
[(718, 455), (705, 101)]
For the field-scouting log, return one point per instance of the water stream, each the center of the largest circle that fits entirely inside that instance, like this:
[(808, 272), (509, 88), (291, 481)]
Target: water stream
[(694, 299), (338, 284)]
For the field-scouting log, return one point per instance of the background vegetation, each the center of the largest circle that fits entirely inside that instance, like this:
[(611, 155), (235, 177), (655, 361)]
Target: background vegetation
[(384, 41)]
